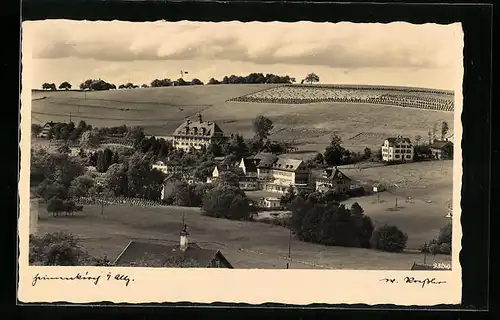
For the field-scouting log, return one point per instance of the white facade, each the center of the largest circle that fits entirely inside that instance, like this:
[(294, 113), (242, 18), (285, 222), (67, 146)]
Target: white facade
[(270, 203), (401, 150)]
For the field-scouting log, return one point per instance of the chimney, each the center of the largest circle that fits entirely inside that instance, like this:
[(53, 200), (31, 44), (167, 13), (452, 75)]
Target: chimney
[(183, 245)]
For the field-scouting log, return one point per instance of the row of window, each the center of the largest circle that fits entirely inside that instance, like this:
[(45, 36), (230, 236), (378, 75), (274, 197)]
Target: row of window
[(402, 151)]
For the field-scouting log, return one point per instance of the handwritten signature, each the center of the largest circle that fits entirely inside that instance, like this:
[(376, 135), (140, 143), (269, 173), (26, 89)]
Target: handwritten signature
[(78, 277), (423, 282)]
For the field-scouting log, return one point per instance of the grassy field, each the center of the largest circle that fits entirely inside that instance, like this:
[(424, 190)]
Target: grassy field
[(310, 126), (246, 244)]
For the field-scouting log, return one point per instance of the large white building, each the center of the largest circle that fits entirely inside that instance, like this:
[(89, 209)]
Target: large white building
[(196, 134), (397, 149), (266, 171)]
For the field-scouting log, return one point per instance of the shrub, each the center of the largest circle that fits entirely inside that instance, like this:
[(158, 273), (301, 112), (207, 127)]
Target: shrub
[(445, 248), (388, 238), (445, 234)]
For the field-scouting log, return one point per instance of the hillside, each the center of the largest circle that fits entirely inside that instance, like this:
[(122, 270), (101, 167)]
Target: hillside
[(310, 126)]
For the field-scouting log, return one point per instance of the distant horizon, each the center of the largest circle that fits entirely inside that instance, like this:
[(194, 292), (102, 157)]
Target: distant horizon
[(393, 54), (240, 84)]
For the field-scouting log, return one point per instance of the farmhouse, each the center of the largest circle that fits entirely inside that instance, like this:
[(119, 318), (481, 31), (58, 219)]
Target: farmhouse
[(137, 251), (44, 132), (196, 134), (286, 172), (334, 180), (397, 149), (442, 150)]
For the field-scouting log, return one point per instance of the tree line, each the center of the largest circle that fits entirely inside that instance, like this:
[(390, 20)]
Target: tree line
[(252, 78)]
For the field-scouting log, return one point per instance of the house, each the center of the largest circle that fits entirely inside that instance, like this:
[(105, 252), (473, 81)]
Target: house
[(270, 203), (168, 186), (442, 150), (34, 213), (397, 149), (44, 132), (246, 182), (249, 168), (196, 134), (137, 251), (378, 187), (167, 169), (285, 172), (334, 180)]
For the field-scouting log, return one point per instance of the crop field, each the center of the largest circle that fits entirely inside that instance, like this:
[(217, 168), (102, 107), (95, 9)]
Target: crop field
[(245, 244), (308, 125)]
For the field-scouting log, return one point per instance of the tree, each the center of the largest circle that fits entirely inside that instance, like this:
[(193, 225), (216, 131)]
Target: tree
[(144, 86), (65, 85), (434, 131), (389, 238), (55, 206), (81, 186), (334, 152), (367, 153), (46, 86), (429, 135), (262, 126), (90, 139), (57, 249), (227, 202), (196, 82), (213, 81), (444, 129), (35, 129), (311, 77), (64, 148)]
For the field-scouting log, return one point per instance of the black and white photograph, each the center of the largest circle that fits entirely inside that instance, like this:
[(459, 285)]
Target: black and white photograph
[(254, 146)]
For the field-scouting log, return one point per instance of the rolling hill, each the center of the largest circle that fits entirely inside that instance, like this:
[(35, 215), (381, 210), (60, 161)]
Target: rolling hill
[(309, 126)]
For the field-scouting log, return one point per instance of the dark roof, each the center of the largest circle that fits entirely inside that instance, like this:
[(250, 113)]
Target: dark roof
[(440, 144), (264, 159), (334, 174), (397, 140), (249, 165), (195, 128), (224, 168), (417, 266), (286, 164), (136, 250)]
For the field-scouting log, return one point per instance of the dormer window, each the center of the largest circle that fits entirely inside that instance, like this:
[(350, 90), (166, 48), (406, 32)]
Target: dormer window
[(204, 131), (195, 130), (187, 130)]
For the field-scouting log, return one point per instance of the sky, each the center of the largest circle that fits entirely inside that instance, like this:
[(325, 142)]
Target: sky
[(118, 52)]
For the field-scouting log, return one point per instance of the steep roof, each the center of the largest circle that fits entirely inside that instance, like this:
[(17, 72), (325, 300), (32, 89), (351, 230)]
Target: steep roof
[(136, 250), (249, 165), (286, 164), (334, 174), (397, 140), (439, 144), (198, 128)]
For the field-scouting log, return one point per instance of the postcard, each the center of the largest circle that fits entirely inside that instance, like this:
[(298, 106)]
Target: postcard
[(240, 162)]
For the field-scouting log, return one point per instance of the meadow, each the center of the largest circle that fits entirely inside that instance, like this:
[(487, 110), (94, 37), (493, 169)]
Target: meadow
[(309, 126), (245, 244)]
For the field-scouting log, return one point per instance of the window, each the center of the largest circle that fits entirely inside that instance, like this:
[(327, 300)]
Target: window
[(408, 156), (396, 156), (217, 263), (397, 151)]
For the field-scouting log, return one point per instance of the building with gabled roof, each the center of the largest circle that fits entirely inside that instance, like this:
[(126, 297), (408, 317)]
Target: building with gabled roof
[(442, 149), (139, 251), (196, 134), (335, 180), (399, 149)]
